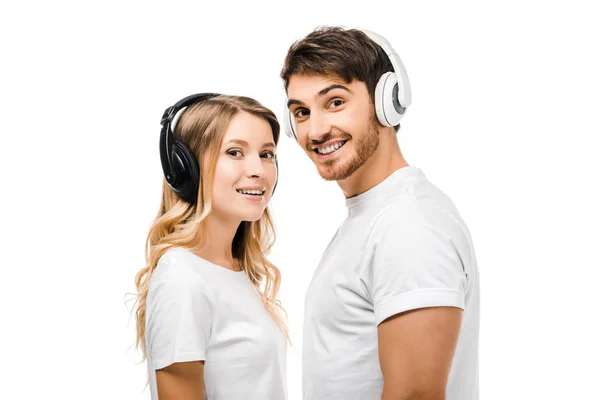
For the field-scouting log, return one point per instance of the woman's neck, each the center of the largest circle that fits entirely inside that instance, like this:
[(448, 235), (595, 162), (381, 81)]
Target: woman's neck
[(215, 244)]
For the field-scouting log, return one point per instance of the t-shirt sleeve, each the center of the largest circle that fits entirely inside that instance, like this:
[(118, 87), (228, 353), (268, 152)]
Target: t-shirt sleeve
[(412, 261), (178, 316)]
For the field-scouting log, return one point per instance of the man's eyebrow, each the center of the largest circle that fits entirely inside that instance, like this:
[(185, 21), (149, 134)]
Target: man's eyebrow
[(322, 92), (244, 143), (329, 88)]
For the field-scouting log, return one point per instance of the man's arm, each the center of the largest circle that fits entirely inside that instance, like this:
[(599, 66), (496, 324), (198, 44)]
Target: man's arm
[(181, 381), (415, 352)]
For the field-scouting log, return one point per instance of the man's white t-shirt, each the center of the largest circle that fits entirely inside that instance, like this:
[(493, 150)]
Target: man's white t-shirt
[(403, 246), (196, 310)]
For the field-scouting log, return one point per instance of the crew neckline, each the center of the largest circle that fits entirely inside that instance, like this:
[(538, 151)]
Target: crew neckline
[(220, 267), (382, 186)]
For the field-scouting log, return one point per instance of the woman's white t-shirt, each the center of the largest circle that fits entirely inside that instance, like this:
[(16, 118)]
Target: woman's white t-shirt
[(196, 310)]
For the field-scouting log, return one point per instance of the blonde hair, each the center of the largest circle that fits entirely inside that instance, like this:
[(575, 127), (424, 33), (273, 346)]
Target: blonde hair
[(202, 127)]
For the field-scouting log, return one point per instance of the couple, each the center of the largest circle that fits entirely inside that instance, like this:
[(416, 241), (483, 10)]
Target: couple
[(392, 311)]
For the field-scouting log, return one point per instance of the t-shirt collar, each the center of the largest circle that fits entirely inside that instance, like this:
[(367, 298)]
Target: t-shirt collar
[(383, 186)]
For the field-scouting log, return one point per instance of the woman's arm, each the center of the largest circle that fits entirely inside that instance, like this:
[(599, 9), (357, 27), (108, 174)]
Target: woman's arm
[(181, 381)]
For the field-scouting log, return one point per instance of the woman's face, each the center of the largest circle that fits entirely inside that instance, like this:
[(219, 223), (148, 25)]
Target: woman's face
[(245, 172)]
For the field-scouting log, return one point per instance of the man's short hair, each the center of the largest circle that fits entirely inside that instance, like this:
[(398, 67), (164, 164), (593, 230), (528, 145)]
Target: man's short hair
[(348, 54)]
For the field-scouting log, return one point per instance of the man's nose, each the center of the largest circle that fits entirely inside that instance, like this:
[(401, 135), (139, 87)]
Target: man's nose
[(318, 127)]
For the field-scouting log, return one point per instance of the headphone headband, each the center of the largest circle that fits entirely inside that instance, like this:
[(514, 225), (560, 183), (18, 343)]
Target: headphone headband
[(404, 93)]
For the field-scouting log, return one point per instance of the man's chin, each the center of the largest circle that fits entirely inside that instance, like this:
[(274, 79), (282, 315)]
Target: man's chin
[(328, 176), (332, 172)]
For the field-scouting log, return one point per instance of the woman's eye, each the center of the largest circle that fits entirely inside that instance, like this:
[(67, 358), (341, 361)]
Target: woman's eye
[(268, 154), (234, 153)]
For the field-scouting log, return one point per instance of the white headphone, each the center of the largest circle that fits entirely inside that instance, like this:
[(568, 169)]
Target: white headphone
[(392, 93)]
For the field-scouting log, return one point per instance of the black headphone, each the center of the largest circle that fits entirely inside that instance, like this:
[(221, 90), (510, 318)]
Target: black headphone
[(180, 167)]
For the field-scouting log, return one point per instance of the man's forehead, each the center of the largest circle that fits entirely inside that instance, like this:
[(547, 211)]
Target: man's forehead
[(310, 85)]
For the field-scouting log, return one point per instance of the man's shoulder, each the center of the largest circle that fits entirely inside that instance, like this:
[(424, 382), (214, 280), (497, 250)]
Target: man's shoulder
[(417, 199), (413, 215)]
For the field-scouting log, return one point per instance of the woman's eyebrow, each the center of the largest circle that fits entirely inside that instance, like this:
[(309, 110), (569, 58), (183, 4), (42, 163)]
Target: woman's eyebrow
[(244, 143)]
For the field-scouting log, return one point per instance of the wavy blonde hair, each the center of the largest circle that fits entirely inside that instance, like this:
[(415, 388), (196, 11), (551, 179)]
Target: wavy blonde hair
[(202, 127)]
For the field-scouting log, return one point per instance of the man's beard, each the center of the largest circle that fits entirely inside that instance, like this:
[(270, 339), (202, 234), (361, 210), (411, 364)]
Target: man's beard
[(337, 170)]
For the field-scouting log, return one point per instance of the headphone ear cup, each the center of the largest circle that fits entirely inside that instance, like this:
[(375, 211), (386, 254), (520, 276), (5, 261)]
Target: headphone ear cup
[(186, 167), (388, 109), (289, 125)]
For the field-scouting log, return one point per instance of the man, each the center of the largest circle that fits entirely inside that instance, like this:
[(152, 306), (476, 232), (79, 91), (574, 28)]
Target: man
[(392, 311)]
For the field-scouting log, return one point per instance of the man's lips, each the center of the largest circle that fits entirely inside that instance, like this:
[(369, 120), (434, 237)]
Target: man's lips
[(328, 143)]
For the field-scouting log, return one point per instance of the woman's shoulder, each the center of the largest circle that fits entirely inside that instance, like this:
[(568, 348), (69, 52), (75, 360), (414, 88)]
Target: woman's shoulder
[(177, 267)]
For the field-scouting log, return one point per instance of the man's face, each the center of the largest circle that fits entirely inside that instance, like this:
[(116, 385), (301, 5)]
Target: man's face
[(335, 123)]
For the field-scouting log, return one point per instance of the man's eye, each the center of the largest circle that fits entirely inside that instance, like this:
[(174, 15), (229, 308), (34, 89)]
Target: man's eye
[(234, 153), (301, 113), (336, 103)]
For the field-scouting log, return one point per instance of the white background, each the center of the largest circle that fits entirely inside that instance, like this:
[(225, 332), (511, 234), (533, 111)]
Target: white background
[(505, 120)]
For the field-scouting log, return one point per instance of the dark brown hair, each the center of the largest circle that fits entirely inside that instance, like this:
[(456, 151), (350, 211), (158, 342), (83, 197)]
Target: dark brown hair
[(333, 51)]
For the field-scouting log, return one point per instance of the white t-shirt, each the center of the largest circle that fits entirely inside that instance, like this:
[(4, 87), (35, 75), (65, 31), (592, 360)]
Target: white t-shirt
[(403, 246), (196, 310)]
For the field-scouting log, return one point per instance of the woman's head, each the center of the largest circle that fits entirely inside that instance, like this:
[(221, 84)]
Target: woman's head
[(234, 141), (242, 169)]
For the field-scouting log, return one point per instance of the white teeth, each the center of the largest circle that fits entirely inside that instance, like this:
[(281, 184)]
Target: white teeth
[(330, 149), (255, 192)]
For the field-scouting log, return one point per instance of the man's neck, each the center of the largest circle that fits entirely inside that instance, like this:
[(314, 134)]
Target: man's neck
[(383, 162)]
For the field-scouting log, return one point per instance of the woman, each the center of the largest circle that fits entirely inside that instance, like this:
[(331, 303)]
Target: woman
[(208, 321)]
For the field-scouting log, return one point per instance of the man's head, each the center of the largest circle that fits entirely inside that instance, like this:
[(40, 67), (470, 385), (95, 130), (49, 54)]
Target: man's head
[(331, 78)]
